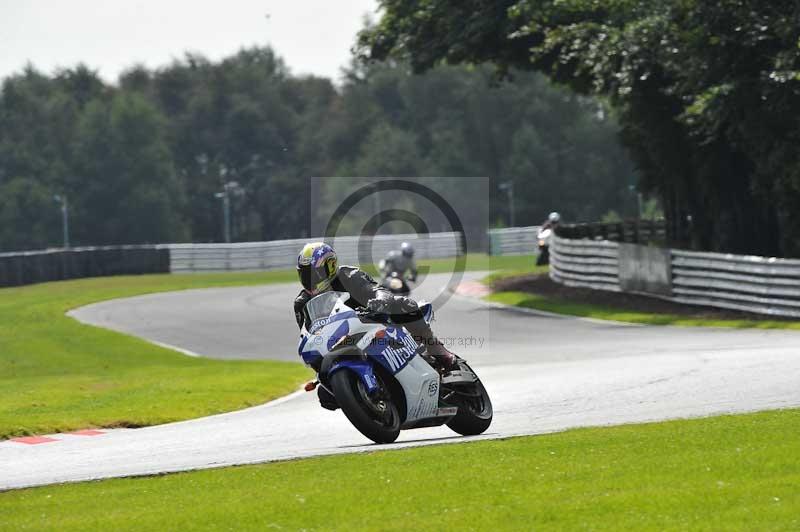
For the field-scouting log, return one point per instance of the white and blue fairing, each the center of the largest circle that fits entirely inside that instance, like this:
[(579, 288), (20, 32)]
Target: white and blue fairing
[(332, 321)]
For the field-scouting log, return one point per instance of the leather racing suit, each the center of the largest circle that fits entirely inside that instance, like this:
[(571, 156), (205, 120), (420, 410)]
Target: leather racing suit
[(395, 261), (366, 293)]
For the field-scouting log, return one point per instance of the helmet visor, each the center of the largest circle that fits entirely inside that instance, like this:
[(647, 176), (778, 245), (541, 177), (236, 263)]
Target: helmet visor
[(311, 277)]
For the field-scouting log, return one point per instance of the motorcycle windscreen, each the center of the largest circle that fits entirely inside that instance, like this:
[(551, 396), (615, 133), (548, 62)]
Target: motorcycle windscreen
[(323, 305)]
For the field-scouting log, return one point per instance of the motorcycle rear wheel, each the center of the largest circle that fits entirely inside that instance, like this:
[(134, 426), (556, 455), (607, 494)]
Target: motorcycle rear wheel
[(377, 418)]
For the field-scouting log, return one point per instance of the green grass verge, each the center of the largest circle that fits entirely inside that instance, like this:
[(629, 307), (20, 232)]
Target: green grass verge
[(505, 273), (507, 263), (587, 310), (603, 312), (722, 473), (58, 375)]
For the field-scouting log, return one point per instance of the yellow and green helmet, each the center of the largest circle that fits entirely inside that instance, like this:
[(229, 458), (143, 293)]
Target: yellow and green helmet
[(317, 266)]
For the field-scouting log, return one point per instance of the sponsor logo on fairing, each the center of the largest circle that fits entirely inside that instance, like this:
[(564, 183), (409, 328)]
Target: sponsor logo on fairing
[(400, 351), (319, 323)]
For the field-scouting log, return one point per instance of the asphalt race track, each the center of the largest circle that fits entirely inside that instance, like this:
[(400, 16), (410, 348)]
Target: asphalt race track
[(544, 374)]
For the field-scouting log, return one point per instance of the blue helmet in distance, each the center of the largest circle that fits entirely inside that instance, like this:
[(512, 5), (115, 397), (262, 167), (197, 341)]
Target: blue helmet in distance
[(317, 266)]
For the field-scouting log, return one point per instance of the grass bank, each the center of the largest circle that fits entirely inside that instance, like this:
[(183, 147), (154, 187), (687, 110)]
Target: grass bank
[(58, 375), (723, 473), (620, 307)]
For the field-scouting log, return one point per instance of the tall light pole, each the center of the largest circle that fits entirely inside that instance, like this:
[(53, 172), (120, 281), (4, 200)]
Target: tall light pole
[(230, 187), (62, 200), (377, 196), (226, 213), (508, 186)]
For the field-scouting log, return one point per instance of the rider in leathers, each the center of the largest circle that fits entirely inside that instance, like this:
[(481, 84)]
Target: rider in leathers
[(401, 262), (318, 268)]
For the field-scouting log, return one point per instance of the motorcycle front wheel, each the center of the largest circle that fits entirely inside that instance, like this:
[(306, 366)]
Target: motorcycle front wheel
[(474, 410), (376, 416)]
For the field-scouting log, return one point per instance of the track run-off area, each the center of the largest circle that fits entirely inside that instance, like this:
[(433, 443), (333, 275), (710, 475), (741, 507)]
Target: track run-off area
[(544, 373)]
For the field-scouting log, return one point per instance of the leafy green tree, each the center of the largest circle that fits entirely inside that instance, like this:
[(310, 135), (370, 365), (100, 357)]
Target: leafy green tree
[(142, 161), (706, 93), (130, 193), (559, 149), (28, 216)]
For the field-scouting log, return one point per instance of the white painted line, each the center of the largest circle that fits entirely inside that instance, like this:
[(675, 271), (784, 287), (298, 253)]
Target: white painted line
[(174, 348)]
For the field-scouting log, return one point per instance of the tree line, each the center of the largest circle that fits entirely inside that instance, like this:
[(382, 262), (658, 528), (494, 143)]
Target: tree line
[(144, 160), (707, 94)]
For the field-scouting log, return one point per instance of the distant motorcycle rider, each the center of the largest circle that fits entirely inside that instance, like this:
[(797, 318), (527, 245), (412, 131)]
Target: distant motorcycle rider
[(545, 237), (401, 261), (319, 271), (553, 219)]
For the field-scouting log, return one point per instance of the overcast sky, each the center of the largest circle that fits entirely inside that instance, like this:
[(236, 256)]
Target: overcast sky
[(312, 36)]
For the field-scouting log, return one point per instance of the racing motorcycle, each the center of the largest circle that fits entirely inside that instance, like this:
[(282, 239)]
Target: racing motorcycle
[(393, 280), (380, 377), (396, 284), (544, 237)]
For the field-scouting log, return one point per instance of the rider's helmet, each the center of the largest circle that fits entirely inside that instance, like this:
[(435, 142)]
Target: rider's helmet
[(554, 217), (317, 266), (407, 250)]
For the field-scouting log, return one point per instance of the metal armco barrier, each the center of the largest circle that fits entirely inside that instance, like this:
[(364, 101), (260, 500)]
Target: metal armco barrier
[(752, 284), (282, 254), (514, 241), (746, 283), (54, 265), (585, 263), (18, 269), (631, 231), (523, 240)]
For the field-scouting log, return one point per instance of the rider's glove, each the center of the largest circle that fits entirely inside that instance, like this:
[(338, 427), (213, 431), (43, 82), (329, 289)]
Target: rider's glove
[(395, 306), (378, 305)]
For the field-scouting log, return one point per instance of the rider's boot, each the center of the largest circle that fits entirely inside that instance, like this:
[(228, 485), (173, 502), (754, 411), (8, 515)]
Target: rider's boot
[(422, 333), (446, 359)]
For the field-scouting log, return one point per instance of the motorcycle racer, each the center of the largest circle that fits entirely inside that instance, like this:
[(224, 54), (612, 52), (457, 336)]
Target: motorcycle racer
[(319, 271), (553, 219), (401, 262)]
